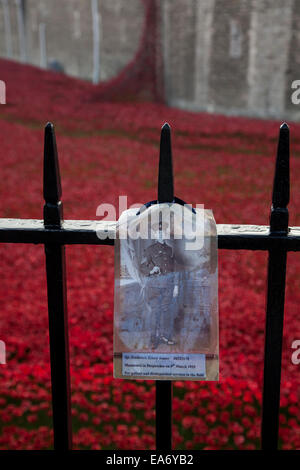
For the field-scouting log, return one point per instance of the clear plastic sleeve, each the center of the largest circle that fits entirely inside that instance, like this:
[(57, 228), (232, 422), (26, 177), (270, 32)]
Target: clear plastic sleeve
[(166, 294)]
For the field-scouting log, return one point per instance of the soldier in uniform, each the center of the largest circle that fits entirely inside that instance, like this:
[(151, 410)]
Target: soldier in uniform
[(160, 289)]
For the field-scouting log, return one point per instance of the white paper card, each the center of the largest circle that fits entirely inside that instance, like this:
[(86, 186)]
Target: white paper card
[(166, 365)]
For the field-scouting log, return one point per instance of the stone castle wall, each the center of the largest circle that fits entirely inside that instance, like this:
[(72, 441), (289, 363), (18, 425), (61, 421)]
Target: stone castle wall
[(233, 57), (68, 32), (228, 56)]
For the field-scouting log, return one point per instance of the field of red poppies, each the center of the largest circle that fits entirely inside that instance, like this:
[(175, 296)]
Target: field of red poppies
[(109, 149)]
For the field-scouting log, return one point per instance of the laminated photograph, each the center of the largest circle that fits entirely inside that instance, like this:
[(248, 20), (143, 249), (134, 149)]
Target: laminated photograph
[(166, 294)]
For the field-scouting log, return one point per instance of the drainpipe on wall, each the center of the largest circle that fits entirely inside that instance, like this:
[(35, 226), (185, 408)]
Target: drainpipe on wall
[(96, 41), (21, 29), (7, 28), (43, 50)]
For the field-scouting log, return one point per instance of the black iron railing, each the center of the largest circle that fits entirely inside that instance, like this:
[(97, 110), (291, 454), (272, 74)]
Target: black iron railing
[(55, 233)]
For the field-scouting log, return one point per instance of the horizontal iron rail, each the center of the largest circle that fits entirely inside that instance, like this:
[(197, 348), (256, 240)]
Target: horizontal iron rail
[(85, 232)]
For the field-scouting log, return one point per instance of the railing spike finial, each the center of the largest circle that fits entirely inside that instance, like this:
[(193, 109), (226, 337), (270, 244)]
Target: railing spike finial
[(52, 185), (165, 177), (281, 187)]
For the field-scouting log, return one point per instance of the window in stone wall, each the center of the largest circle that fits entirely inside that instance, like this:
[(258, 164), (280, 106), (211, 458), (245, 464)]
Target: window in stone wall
[(77, 26), (235, 39)]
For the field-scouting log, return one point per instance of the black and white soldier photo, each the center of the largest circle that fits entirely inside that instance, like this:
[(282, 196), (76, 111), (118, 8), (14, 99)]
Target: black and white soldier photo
[(165, 287), (162, 287)]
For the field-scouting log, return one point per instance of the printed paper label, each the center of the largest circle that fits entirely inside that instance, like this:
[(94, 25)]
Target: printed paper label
[(167, 365)]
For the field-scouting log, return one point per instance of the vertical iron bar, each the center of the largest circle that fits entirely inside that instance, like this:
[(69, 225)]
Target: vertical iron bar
[(164, 387), (275, 297), (57, 299), (164, 415)]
